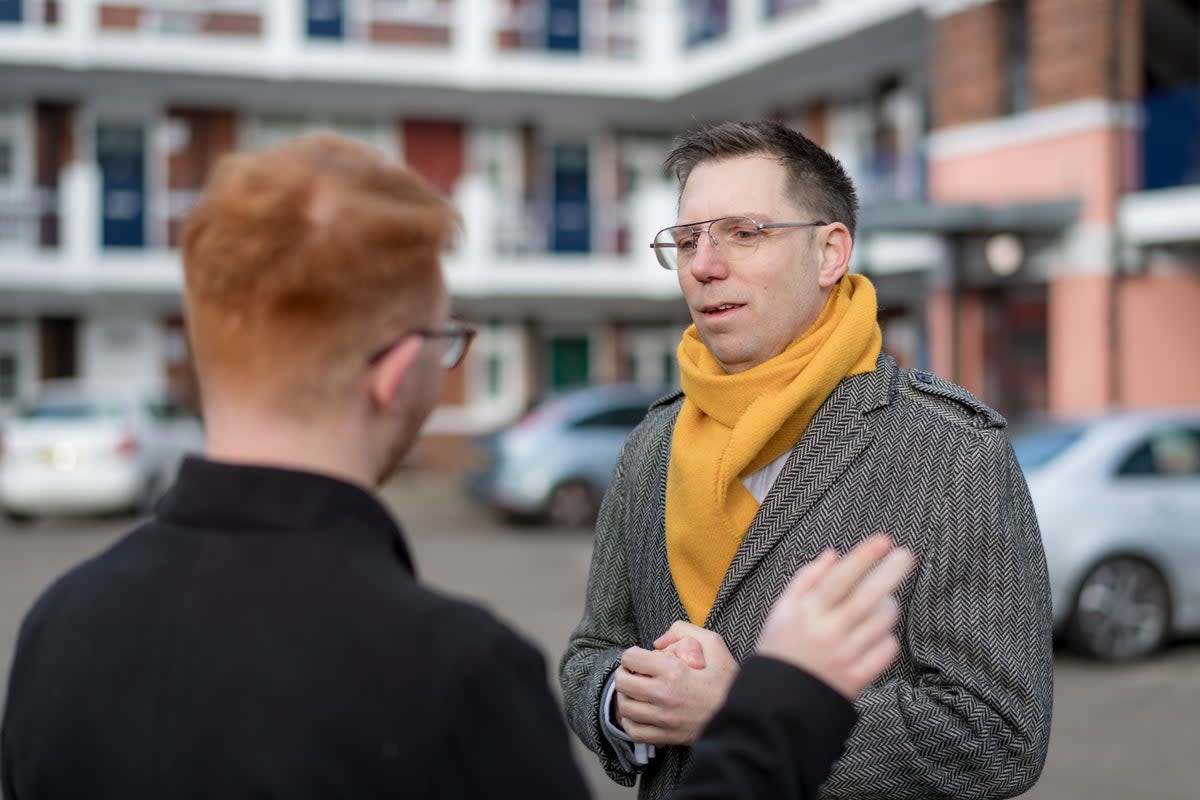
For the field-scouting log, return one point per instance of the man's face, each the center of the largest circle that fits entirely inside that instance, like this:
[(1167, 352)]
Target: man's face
[(748, 310)]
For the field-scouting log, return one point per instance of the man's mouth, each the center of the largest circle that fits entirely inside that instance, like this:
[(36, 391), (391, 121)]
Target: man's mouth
[(718, 309)]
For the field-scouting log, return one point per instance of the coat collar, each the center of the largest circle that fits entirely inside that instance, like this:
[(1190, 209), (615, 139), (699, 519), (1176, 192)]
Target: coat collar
[(212, 497)]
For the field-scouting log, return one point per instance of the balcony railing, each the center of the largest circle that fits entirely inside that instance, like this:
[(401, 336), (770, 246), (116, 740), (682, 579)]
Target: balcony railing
[(29, 218), (1170, 148), (408, 22), (216, 17), (595, 30)]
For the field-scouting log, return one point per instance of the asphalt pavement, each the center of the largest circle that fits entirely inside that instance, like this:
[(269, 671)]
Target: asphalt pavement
[(1119, 732)]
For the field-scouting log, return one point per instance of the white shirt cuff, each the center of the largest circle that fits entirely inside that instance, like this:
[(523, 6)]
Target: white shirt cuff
[(632, 755)]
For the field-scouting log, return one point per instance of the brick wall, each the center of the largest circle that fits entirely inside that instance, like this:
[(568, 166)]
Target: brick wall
[(968, 66), (1069, 49)]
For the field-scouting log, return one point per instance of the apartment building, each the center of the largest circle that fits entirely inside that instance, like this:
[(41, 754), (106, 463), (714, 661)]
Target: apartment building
[(986, 139)]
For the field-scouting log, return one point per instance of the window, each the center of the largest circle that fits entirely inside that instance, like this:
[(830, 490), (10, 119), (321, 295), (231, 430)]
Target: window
[(1016, 50), (1169, 452), (622, 417)]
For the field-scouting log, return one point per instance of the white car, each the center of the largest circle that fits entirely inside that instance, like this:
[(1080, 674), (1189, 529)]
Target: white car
[(1118, 501), (86, 451)]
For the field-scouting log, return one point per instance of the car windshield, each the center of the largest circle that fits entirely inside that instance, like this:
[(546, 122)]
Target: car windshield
[(71, 410), (1038, 448)]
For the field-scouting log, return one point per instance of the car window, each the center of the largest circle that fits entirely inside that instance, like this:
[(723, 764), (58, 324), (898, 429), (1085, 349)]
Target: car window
[(622, 417), (1171, 451), (1040, 447)]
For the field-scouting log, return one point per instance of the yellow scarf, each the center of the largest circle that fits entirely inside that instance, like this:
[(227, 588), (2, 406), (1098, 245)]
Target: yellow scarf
[(731, 426)]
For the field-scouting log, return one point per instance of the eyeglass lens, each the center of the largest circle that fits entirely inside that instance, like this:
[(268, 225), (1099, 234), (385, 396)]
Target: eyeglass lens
[(734, 235)]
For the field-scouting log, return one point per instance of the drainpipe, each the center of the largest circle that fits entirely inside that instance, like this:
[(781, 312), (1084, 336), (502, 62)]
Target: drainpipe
[(1117, 246)]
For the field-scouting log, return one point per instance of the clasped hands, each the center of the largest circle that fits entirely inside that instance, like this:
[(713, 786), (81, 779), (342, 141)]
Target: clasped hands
[(834, 620)]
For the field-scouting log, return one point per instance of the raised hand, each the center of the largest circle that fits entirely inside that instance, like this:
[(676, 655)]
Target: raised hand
[(835, 617)]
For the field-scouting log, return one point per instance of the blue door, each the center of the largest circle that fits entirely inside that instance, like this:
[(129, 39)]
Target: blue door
[(10, 10), (562, 25), (572, 207), (121, 154), (326, 19)]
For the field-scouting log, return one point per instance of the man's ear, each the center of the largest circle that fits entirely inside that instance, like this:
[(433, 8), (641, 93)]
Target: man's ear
[(387, 375), (836, 245)]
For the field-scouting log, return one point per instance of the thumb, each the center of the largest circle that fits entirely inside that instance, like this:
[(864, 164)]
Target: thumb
[(689, 651)]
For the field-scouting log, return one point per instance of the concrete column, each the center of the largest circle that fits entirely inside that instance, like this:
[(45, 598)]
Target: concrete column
[(660, 36), (474, 36), (80, 209), (283, 31), (476, 202)]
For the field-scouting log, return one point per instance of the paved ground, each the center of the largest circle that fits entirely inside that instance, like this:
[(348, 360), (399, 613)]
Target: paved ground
[(1118, 732)]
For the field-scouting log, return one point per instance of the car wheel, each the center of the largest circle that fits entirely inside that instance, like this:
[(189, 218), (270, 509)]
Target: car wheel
[(571, 505), (1122, 611)]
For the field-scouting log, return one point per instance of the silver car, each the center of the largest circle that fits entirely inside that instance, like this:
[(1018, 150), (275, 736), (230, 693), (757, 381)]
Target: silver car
[(554, 463), (1118, 501), (85, 450)]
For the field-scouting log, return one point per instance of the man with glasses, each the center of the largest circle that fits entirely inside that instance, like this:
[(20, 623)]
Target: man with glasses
[(794, 433), (263, 635)]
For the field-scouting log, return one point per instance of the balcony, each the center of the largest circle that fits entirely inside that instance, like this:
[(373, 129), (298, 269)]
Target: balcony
[(636, 50), (508, 250)]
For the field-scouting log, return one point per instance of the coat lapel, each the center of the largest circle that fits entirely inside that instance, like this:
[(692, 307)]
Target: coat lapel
[(832, 441)]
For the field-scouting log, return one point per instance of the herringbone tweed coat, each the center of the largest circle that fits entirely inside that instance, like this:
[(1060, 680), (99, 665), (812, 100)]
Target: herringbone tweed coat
[(965, 710)]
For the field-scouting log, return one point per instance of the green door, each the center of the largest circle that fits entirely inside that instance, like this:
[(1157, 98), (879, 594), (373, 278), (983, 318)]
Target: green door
[(570, 364)]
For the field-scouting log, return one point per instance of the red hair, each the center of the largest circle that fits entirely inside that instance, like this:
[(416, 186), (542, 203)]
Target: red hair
[(299, 259)]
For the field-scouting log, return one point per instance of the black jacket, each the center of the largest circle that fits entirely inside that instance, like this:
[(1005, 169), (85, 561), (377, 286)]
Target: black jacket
[(264, 636)]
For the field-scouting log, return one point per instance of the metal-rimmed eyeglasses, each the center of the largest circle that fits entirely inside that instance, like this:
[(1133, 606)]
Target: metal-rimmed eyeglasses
[(735, 237), (455, 338)]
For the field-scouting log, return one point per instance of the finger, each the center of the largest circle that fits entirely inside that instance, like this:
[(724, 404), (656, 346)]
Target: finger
[(810, 574), (650, 734), (846, 573), (640, 687), (689, 651), (880, 583), (873, 662), (677, 631), (644, 662), (639, 712), (876, 625)]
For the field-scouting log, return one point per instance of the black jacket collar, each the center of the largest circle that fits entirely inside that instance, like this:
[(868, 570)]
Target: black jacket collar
[(230, 499)]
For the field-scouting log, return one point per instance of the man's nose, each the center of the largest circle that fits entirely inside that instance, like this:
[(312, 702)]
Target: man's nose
[(709, 262)]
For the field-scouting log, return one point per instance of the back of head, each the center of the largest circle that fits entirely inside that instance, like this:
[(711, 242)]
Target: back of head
[(818, 182), (301, 258)]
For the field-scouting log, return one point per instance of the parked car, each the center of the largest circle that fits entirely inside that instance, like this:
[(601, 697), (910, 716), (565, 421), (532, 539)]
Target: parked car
[(1118, 501), (555, 462), (81, 450)]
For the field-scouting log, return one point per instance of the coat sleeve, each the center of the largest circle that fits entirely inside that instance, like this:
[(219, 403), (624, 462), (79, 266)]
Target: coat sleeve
[(776, 736), (973, 720), (606, 629)]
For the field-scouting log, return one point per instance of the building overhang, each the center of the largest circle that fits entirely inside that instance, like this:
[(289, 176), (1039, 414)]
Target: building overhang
[(952, 218)]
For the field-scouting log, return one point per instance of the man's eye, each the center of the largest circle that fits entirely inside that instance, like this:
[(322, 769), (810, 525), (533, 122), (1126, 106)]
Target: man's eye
[(744, 235), (686, 243)]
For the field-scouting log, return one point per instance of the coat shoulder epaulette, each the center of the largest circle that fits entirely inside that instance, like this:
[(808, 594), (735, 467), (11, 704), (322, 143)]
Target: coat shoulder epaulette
[(954, 399)]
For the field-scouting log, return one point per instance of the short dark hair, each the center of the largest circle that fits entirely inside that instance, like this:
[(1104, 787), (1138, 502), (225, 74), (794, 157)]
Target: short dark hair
[(817, 181)]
